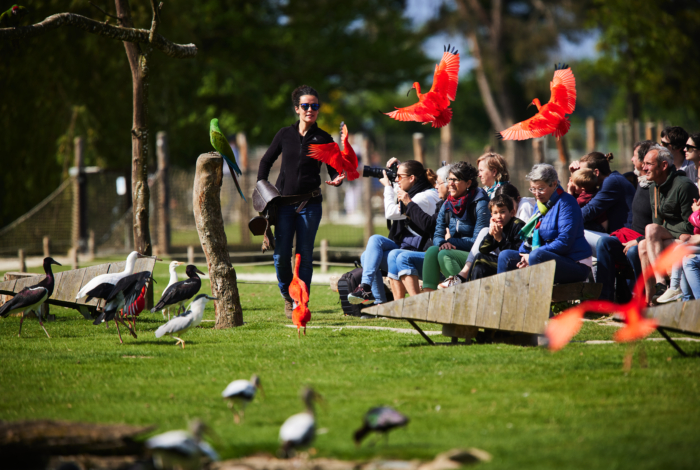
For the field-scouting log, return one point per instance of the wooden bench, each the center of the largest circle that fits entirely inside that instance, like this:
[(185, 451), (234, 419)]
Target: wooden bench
[(67, 284), (679, 317)]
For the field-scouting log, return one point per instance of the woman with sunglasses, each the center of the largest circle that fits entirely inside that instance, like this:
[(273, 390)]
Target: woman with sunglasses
[(404, 234), (692, 151), (299, 175)]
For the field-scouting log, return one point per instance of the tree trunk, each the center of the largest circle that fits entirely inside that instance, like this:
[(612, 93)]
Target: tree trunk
[(206, 201)]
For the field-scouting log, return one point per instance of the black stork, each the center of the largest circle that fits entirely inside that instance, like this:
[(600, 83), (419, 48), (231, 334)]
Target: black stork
[(180, 292), (127, 295), (29, 299), (381, 419)]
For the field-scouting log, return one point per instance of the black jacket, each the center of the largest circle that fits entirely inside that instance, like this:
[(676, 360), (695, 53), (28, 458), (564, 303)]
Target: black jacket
[(510, 241), (299, 174), (420, 221)]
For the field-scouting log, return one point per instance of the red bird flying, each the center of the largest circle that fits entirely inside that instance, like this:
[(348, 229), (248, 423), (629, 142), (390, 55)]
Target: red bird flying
[(433, 107), (550, 118), (345, 160)]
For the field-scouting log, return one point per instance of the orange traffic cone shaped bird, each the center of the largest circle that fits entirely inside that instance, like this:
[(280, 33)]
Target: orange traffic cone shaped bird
[(550, 118), (330, 154), (562, 328), (433, 107), (299, 292)]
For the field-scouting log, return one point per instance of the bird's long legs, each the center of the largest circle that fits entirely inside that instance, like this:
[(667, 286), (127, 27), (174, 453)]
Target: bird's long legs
[(163, 313), (180, 341), (118, 332), (21, 320), (129, 328), (42, 326), (236, 417)]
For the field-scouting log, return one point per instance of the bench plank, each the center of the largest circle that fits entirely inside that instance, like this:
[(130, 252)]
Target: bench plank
[(466, 303), (668, 315), (389, 309), (416, 307), (517, 290), (29, 281), (490, 301), (69, 285), (690, 320), (540, 298), (91, 273), (576, 291), (440, 305)]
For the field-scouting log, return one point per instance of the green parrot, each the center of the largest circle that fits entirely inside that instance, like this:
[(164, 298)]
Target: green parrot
[(11, 17), (221, 145)]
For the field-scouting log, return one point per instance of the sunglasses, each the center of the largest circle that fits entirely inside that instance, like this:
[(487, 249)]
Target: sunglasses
[(666, 144), (313, 106), (688, 148), (399, 176), (453, 180)]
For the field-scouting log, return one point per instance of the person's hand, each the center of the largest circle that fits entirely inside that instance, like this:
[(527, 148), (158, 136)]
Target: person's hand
[(696, 205), (338, 179), (571, 188), (385, 180), (447, 246), (497, 233), (575, 165), (403, 196), (524, 260), (447, 233), (694, 240), (629, 245), (391, 162), (684, 237)]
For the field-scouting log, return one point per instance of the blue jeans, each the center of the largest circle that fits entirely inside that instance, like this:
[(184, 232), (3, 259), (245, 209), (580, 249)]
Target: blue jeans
[(690, 281), (567, 270), (405, 263), (305, 225), (610, 251), (373, 259)]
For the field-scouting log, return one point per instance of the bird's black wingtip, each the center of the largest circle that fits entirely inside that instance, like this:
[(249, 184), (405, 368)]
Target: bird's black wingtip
[(449, 49), (499, 136), (560, 66)]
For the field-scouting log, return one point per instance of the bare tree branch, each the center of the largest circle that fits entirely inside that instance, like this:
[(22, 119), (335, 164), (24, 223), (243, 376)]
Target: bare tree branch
[(484, 87), (132, 35), (156, 19)]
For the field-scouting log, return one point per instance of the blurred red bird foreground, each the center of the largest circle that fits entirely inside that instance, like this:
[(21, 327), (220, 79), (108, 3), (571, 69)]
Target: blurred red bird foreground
[(330, 154), (433, 107), (550, 118), (563, 327), (299, 292)]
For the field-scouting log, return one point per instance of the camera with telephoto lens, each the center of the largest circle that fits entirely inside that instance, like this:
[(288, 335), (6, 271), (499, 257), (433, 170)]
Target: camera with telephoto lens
[(372, 172)]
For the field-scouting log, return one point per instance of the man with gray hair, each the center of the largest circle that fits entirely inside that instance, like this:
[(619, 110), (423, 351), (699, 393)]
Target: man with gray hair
[(671, 195)]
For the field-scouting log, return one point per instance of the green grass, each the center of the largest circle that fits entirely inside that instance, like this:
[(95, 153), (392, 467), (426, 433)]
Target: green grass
[(527, 407)]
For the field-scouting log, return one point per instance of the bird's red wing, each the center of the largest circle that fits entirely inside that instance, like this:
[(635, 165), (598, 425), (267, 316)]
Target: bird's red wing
[(349, 156), (446, 77), (672, 255), (563, 89), (327, 153), (443, 119), (566, 325), (536, 126), (295, 291), (638, 330), (417, 112)]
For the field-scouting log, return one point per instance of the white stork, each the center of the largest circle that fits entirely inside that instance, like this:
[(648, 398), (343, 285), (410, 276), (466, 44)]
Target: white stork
[(241, 392), (299, 430), (181, 449), (182, 323), (106, 282)]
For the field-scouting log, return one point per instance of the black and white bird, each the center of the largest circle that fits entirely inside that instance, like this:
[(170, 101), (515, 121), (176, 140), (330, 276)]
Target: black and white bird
[(182, 323), (127, 295), (181, 449), (180, 292), (173, 279), (103, 284), (29, 299), (299, 430), (240, 393), (380, 419)]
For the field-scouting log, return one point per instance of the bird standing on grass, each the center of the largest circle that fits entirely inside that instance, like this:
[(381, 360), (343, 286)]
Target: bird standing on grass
[(173, 279), (182, 323), (182, 449), (11, 17), (179, 293), (381, 419), (102, 285), (221, 145), (30, 299), (299, 292), (241, 392), (550, 118), (433, 107), (299, 430)]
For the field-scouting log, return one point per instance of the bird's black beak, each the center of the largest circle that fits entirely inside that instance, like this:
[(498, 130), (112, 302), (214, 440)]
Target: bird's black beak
[(53, 261), (409, 92), (212, 298), (198, 271)]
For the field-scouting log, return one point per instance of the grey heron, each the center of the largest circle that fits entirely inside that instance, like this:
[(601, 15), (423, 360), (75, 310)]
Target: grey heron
[(182, 323)]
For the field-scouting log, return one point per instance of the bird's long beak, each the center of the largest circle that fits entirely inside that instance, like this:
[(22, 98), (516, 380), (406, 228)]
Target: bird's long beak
[(409, 92), (212, 298), (56, 262), (198, 271)]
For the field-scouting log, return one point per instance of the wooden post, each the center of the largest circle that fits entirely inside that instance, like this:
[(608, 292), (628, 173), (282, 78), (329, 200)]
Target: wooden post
[(78, 228), (659, 130), (163, 209), (91, 245), (590, 134), (619, 129), (563, 150), (74, 258), (649, 131), (206, 201), (418, 146), (190, 254), (538, 150), (22, 263), (446, 144), (324, 256), (636, 137), (243, 208), (47, 246)]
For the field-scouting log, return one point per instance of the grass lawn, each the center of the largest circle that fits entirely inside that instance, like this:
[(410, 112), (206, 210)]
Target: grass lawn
[(527, 407)]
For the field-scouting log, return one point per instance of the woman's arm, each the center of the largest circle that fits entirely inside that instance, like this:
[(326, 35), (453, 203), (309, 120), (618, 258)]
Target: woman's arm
[(424, 221), (392, 209), (440, 228), (568, 224), (270, 156), (482, 221)]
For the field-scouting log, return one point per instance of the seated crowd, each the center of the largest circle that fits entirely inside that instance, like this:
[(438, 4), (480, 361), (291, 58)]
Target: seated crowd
[(601, 225)]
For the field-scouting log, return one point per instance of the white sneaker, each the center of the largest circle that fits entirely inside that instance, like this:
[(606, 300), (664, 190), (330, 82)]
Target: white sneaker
[(671, 295), (446, 283)]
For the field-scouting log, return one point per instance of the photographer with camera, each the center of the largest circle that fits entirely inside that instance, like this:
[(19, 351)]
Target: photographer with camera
[(418, 183)]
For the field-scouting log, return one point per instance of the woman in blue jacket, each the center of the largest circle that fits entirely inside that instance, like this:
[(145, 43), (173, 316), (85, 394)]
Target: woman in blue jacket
[(464, 213), (555, 231)]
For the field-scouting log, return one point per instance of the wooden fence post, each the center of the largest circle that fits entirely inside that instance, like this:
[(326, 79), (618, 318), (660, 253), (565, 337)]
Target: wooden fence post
[(206, 201), (590, 134), (659, 130), (538, 150), (74, 258), (91, 245), (649, 131), (22, 263), (47, 246), (324, 256), (78, 229), (446, 144), (243, 208), (190, 254), (418, 146), (162, 208)]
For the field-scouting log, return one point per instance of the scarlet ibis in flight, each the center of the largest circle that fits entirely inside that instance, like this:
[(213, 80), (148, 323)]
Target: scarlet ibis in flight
[(182, 323), (345, 160), (173, 279), (181, 449), (180, 292), (381, 419), (106, 282), (299, 292), (550, 118), (563, 327), (241, 393), (299, 430), (30, 299), (433, 107)]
